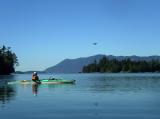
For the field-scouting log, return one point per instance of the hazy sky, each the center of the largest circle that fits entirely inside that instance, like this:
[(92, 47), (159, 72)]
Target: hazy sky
[(44, 32)]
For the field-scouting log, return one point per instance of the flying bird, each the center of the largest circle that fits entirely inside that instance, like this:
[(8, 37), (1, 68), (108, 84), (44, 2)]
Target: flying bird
[(95, 43)]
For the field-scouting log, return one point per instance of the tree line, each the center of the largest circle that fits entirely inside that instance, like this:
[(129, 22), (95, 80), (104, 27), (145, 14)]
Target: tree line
[(126, 65), (8, 61)]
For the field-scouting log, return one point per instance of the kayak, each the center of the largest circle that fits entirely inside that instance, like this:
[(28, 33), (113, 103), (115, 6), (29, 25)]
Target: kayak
[(45, 81), (56, 81)]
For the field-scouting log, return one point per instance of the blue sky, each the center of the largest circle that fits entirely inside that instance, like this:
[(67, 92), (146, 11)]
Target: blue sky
[(44, 32)]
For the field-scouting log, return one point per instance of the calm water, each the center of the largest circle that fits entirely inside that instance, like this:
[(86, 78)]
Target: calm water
[(94, 96)]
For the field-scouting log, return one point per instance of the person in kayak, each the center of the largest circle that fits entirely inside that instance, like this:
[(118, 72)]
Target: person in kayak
[(35, 77)]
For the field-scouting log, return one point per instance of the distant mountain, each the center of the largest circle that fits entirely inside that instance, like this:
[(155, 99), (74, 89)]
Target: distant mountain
[(28, 72), (76, 65), (73, 65)]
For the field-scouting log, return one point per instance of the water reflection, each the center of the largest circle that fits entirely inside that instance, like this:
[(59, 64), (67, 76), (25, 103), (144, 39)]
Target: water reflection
[(122, 84), (35, 89), (7, 93), (7, 78)]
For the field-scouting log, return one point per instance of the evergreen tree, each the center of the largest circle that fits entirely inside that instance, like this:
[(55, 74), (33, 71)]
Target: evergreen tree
[(126, 65), (8, 60)]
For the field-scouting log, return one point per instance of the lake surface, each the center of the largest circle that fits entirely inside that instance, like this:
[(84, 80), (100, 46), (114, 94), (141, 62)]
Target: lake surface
[(93, 96)]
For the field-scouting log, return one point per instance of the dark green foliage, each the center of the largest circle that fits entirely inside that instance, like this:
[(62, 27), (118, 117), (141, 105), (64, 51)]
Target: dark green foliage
[(8, 60), (93, 67), (127, 65)]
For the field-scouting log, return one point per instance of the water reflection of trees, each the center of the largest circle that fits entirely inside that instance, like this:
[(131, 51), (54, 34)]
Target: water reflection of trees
[(7, 93), (124, 84)]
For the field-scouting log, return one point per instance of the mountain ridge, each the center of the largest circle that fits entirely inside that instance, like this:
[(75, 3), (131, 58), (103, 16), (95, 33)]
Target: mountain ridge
[(76, 65)]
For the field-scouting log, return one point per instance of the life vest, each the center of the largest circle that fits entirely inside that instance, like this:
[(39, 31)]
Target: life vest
[(34, 77)]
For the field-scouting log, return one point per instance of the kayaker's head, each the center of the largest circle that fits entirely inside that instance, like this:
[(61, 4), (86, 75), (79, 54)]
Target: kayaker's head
[(34, 73)]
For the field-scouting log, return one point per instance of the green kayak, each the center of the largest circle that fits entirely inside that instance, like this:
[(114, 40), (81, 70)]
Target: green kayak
[(45, 81)]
